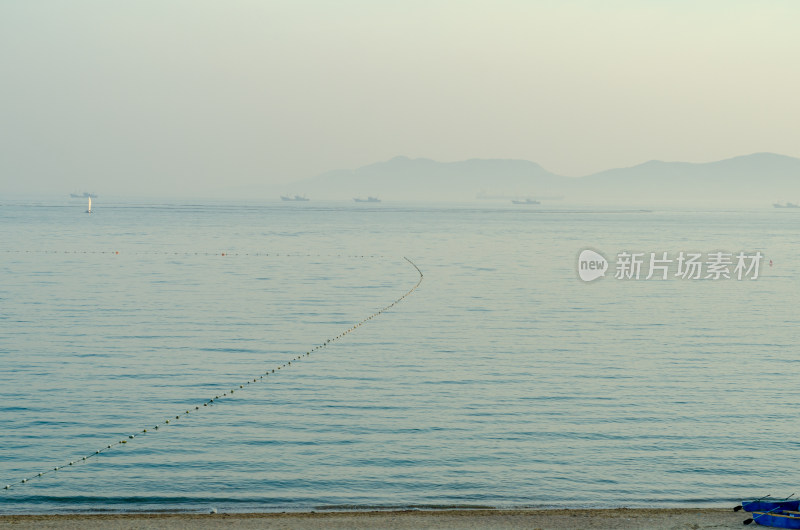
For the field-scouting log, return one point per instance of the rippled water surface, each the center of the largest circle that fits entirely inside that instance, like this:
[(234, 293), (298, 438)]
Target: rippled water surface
[(503, 380)]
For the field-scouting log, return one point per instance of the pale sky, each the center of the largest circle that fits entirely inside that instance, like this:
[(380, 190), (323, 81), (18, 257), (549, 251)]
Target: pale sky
[(194, 96)]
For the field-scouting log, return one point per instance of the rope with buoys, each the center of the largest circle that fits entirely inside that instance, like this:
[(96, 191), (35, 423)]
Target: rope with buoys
[(211, 401)]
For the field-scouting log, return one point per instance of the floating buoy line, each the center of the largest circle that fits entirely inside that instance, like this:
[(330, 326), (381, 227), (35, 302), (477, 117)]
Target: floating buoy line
[(211, 401)]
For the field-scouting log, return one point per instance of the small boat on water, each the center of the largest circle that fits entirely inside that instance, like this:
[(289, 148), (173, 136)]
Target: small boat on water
[(368, 199), (525, 201), (296, 198), (776, 519), (90, 206), (787, 205)]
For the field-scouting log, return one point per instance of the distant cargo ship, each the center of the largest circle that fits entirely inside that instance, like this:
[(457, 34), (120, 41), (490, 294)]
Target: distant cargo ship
[(526, 201), (296, 198), (787, 205), (368, 199), (84, 195)]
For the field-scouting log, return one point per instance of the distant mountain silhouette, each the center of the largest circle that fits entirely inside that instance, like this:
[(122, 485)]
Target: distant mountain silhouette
[(405, 178), (752, 179), (761, 177)]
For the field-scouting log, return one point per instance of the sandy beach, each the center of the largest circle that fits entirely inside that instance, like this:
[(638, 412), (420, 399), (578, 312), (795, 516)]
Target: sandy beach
[(545, 519)]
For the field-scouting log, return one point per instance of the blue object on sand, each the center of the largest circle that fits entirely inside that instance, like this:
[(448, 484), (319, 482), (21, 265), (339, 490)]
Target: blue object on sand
[(766, 505), (777, 519)]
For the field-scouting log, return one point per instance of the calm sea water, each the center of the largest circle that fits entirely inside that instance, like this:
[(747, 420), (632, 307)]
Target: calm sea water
[(503, 380)]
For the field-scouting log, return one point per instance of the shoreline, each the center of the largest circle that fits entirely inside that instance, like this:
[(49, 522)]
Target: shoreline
[(611, 518)]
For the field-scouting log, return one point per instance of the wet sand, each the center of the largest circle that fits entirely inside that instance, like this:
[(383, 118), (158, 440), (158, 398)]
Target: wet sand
[(657, 519)]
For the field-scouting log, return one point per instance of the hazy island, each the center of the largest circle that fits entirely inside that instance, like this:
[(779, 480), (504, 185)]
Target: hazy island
[(756, 179)]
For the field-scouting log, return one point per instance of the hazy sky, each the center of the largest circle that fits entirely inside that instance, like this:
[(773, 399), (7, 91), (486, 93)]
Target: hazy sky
[(192, 96)]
